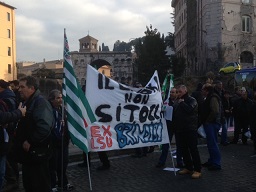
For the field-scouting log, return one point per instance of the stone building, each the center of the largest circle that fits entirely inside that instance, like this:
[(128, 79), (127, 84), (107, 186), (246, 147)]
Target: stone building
[(116, 65), (180, 27), (113, 64), (224, 31), (27, 68)]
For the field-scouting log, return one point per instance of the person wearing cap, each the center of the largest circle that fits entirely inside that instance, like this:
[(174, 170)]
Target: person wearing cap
[(241, 110)]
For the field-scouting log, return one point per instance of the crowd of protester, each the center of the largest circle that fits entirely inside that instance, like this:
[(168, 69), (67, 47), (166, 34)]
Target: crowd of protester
[(216, 109), (34, 135), (34, 132)]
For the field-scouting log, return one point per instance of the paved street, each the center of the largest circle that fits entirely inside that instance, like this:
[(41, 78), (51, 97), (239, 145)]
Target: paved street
[(129, 174)]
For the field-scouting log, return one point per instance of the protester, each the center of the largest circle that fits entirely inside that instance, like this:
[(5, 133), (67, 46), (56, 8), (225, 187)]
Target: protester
[(227, 113), (197, 94), (218, 89), (14, 85), (60, 134), (241, 110), (170, 129), (104, 160), (12, 171), (185, 122), (211, 119), (6, 117), (233, 99), (253, 123), (33, 137)]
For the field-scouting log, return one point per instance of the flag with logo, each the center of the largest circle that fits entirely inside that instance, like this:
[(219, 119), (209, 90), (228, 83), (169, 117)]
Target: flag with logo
[(79, 113), (166, 88)]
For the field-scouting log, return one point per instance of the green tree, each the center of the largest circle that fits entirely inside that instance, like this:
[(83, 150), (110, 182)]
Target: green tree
[(178, 65), (122, 46), (151, 55)]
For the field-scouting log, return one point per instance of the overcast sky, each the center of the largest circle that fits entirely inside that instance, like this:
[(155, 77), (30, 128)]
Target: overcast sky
[(40, 24)]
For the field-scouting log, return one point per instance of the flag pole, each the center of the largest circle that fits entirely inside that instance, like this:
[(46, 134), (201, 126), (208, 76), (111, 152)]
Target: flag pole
[(76, 105), (166, 102), (89, 173), (174, 168), (62, 134)]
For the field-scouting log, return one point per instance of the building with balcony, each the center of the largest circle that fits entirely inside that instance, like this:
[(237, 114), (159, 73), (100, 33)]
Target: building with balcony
[(8, 70)]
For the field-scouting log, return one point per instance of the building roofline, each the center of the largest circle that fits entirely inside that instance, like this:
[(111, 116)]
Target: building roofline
[(88, 36), (6, 5)]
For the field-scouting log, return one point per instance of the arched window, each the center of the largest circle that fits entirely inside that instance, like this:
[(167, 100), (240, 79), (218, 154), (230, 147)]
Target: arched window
[(246, 23)]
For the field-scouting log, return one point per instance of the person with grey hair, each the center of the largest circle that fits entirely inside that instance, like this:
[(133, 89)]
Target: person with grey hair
[(60, 135), (185, 123)]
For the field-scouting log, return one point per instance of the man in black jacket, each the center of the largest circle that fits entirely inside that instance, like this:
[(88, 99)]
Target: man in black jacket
[(242, 113), (185, 120), (33, 137)]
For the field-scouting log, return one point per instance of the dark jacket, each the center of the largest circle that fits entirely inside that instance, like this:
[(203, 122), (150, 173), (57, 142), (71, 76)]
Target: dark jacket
[(253, 116), (60, 133), (6, 117), (226, 107), (242, 108), (35, 127), (10, 115), (185, 114), (7, 93), (211, 110)]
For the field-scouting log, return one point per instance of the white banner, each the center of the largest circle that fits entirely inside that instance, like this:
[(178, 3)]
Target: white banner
[(126, 117)]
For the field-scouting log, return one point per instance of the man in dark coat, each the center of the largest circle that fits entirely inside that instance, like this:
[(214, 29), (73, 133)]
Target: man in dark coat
[(241, 111), (33, 137), (185, 122)]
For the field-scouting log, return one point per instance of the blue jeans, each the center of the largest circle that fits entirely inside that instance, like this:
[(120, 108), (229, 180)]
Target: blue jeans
[(211, 131), (2, 169)]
